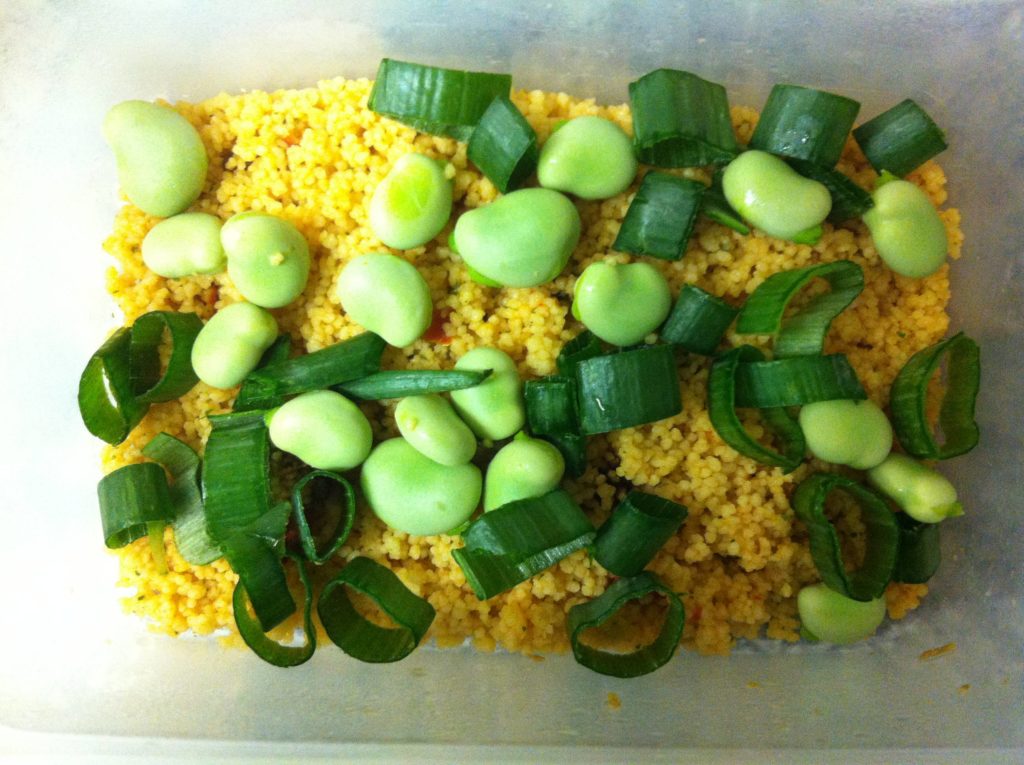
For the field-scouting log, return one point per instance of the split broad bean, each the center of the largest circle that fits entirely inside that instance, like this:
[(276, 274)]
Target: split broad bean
[(774, 197), (924, 494), (323, 429), (413, 202), (412, 493), (590, 157), (845, 432), (524, 468), (388, 296), (431, 426), (621, 304), (494, 409), (231, 343), (184, 245), (520, 240), (908, 232), (161, 160), (268, 258), (835, 618)]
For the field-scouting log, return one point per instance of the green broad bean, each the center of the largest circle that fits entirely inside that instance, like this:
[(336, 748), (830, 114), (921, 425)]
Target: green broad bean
[(924, 494), (621, 304), (494, 409), (323, 429), (526, 467), (184, 245), (431, 426), (520, 240), (590, 157), (268, 258), (231, 343), (412, 493), (413, 202), (386, 295), (774, 197), (908, 232), (835, 618), (161, 160), (845, 432)]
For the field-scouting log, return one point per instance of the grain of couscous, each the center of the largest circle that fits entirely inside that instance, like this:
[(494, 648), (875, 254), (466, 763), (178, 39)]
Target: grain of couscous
[(314, 157)]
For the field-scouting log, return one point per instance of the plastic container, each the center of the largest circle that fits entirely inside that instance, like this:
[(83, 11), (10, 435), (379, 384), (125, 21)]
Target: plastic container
[(80, 676)]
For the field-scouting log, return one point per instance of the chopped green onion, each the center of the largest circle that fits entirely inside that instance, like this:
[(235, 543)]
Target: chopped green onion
[(348, 360), (633, 387), (909, 395), (660, 218), (715, 206), (360, 638), (513, 542), (503, 145), (106, 401), (552, 414), (147, 335), (849, 200), (803, 333), (804, 123), (919, 554), (190, 534), (901, 139), (345, 517), (680, 120), (257, 561), (869, 581), (435, 100), (796, 381), (235, 477), (155, 532), (131, 498), (279, 351), (809, 236), (635, 531), (582, 347), (410, 382), (596, 612), (698, 321), (269, 650), (722, 411)]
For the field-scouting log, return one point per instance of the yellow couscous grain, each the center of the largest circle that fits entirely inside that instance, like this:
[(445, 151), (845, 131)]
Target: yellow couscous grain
[(314, 157)]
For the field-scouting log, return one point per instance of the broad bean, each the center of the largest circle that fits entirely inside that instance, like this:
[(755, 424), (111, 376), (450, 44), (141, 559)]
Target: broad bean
[(908, 232), (590, 157), (854, 433), (231, 343), (386, 295), (323, 429), (268, 258), (184, 245), (835, 618), (525, 467), (924, 494), (621, 304), (413, 202), (431, 426), (494, 409)]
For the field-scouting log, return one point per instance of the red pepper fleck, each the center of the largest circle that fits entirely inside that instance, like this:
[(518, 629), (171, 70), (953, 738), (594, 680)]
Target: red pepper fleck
[(695, 614), (435, 332)]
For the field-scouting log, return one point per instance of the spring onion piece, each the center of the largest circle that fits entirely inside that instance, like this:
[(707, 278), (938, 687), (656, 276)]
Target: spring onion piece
[(635, 531), (269, 650), (582, 347), (804, 123), (698, 321), (633, 387), (919, 554), (131, 498), (106, 401), (360, 638), (276, 353), (869, 581), (722, 412), (552, 414), (257, 561), (332, 538), (680, 120), (410, 382), (660, 218), (715, 206), (596, 612), (802, 333), (900, 139), (147, 335), (190, 534), (849, 200), (235, 476), (796, 381), (503, 145), (348, 360), (513, 542), (155, 532), (435, 100), (909, 394)]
